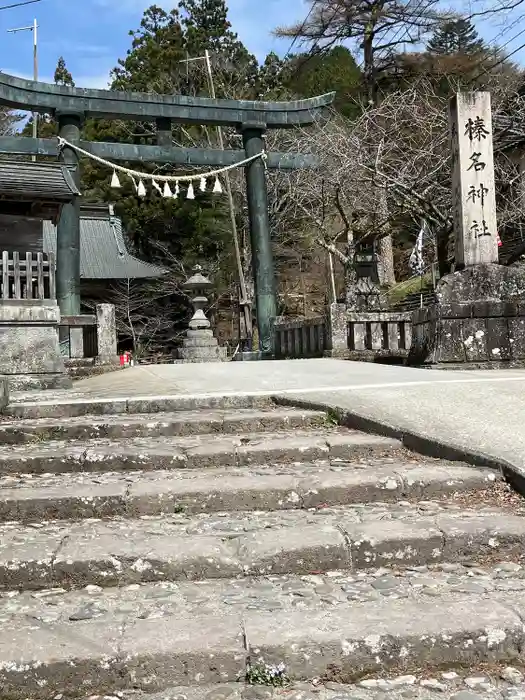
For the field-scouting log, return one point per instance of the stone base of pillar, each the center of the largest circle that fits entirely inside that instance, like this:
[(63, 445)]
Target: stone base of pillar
[(478, 322), (29, 348), (201, 346)]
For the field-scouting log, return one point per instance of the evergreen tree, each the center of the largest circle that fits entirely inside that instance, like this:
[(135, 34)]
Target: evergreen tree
[(153, 63), (456, 36), (206, 27), (336, 69), (47, 126), (62, 75), (162, 230)]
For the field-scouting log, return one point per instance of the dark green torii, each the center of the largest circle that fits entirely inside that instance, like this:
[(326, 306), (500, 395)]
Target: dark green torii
[(71, 106)]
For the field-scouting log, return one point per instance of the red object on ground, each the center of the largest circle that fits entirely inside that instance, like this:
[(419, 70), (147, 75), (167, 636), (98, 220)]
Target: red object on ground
[(125, 359)]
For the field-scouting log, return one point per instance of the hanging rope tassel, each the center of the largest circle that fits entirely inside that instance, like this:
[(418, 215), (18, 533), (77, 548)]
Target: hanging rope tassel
[(135, 185), (203, 184), (190, 194), (141, 190), (217, 187), (157, 186), (115, 182), (177, 191), (167, 190)]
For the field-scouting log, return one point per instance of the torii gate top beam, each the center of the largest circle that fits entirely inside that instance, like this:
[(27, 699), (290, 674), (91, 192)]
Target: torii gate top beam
[(137, 106)]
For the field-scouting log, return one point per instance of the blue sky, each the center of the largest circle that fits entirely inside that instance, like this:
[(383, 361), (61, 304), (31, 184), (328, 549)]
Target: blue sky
[(93, 34)]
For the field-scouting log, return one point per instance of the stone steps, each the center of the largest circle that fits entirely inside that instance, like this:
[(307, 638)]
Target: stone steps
[(161, 555), (341, 644), (29, 497), (124, 551), (69, 404), (447, 685), (199, 451), (178, 423)]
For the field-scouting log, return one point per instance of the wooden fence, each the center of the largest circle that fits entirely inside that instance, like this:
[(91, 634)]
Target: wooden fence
[(29, 276), (296, 338)]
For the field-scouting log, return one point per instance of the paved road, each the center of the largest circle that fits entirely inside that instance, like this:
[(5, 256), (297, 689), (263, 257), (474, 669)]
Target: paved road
[(481, 411), (277, 376)]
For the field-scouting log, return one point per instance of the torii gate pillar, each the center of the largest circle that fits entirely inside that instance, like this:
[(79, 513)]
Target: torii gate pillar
[(68, 228), (260, 239)]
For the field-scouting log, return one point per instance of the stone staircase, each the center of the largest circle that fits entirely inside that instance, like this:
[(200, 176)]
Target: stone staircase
[(246, 553)]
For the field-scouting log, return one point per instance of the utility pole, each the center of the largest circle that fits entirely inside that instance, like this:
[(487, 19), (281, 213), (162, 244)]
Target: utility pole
[(32, 28), (19, 4), (244, 301)]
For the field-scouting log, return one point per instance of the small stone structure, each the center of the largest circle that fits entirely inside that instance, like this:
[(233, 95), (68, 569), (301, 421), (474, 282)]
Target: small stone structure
[(479, 319), (345, 334), (200, 345), (29, 349), (89, 342)]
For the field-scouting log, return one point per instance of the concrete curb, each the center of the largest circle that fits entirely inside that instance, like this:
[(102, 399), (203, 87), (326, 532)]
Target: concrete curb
[(413, 440)]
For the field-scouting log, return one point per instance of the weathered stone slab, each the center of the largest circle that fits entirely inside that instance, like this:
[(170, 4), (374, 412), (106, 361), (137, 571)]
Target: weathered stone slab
[(484, 534), (346, 645), (100, 558), (301, 550), (148, 654), (199, 452), (181, 423), (394, 543), (29, 349), (136, 494), (177, 547), (340, 644)]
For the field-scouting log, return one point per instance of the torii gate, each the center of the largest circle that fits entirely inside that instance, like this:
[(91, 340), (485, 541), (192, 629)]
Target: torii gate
[(70, 106)]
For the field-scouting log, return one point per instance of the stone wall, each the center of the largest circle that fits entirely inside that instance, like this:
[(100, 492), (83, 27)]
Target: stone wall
[(478, 321)]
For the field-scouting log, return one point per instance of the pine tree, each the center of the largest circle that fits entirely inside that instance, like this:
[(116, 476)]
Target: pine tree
[(47, 125), (457, 36), (163, 230), (62, 75), (153, 63), (334, 70), (207, 27)]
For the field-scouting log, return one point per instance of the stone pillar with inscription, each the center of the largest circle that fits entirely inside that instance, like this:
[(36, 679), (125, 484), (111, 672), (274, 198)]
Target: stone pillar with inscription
[(479, 318), (473, 186)]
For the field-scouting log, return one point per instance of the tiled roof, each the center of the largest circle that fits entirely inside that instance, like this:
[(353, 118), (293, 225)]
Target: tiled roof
[(103, 252), (24, 180)]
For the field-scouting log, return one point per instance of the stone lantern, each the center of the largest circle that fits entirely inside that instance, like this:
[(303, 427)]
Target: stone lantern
[(200, 345)]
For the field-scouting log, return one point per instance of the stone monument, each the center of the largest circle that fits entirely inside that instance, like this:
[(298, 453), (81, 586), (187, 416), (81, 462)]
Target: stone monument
[(479, 317), (200, 345)]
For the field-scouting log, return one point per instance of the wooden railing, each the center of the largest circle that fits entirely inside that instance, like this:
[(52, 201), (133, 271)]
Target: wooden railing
[(382, 332), (29, 276), (296, 338)]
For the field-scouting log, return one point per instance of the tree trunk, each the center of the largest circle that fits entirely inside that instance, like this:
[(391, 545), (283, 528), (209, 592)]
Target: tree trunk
[(386, 262), (387, 275), (350, 273)]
